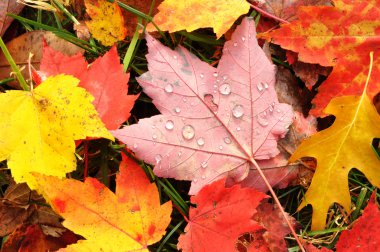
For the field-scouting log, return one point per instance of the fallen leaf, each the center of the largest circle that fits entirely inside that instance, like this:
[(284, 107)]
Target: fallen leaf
[(326, 34), (21, 205), (20, 47), (214, 122), (104, 79), (219, 14), (38, 133), (345, 145), (129, 220), (287, 9), (107, 24), (347, 78), (8, 6), (218, 219), (364, 236), (270, 217), (310, 73), (32, 239), (141, 5)]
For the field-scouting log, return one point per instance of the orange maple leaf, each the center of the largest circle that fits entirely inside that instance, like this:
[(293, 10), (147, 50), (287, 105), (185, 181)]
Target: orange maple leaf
[(129, 220)]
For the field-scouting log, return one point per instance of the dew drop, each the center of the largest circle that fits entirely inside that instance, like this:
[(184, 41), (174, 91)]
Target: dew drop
[(201, 141), (179, 153), (235, 44), (184, 99), (195, 180), (278, 110), (220, 147), (259, 86), (262, 121), (203, 177), (175, 57), (154, 137), (153, 127), (257, 132), (158, 158), (135, 146), (202, 76), (204, 164), (215, 74), (227, 140), (169, 88), (271, 108), (169, 125), (225, 89), (243, 38), (265, 85), (265, 114), (238, 128), (188, 132), (177, 110), (281, 119), (238, 111)]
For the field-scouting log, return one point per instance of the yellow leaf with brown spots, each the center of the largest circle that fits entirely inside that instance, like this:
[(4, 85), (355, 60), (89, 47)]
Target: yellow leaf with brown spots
[(38, 128), (107, 24), (190, 15), (129, 220)]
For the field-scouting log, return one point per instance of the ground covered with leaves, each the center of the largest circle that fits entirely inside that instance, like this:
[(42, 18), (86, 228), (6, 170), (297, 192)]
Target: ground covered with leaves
[(189, 125)]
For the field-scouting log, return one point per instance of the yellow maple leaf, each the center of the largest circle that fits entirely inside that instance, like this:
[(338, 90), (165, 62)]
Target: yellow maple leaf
[(129, 220), (345, 145), (38, 128), (107, 24), (190, 15)]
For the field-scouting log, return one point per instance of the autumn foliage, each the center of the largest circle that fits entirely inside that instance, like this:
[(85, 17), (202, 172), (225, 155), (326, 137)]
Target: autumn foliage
[(201, 139)]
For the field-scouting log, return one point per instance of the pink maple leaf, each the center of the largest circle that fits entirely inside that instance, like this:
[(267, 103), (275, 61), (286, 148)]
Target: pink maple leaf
[(215, 122)]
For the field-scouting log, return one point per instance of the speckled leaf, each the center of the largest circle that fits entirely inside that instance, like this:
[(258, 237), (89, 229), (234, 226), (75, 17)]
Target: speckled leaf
[(214, 122), (129, 220), (174, 15), (325, 34), (217, 221), (104, 79), (38, 128)]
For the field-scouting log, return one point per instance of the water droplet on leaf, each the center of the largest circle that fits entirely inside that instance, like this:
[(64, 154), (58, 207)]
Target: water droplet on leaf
[(238, 111), (188, 132), (225, 89), (158, 158), (169, 88), (201, 141), (204, 164), (169, 125), (215, 74), (177, 110), (259, 86), (227, 140)]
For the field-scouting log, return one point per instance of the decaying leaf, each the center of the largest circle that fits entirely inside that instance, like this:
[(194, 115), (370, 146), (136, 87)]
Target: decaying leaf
[(218, 219), (345, 145), (214, 122), (38, 133), (8, 6), (107, 24), (104, 79), (20, 47), (21, 205), (32, 239), (219, 14), (129, 220)]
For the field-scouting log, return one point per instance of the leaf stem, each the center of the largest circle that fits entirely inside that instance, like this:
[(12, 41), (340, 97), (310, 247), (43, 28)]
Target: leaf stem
[(275, 198), (264, 13), (13, 65)]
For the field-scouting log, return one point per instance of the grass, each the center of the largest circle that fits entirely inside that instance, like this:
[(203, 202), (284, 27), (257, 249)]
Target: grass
[(104, 156)]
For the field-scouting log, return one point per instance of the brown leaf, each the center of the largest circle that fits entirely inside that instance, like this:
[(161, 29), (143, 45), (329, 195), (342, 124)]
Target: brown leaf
[(20, 47), (8, 6), (16, 208)]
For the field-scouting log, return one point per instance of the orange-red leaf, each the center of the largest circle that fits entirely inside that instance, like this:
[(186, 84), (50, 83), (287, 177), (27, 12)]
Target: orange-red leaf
[(221, 216), (325, 34), (104, 79), (129, 220)]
